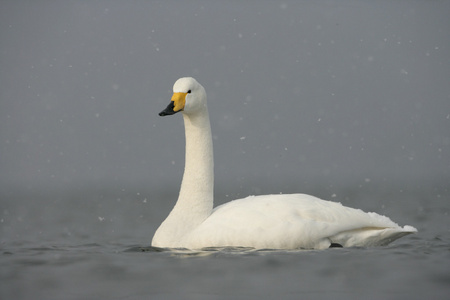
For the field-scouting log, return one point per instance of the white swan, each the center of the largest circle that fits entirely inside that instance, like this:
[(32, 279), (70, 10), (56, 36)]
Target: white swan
[(291, 221)]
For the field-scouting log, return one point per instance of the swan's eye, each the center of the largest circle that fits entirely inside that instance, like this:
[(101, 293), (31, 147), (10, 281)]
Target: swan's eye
[(189, 91)]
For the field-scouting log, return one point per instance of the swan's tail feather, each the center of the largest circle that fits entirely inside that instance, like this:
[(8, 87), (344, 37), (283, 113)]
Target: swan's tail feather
[(371, 237)]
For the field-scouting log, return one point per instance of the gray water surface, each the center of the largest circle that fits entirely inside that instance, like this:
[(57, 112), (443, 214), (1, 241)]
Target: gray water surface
[(95, 245)]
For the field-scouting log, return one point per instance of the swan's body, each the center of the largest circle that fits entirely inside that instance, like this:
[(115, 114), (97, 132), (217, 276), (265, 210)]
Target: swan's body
[(290, 221)]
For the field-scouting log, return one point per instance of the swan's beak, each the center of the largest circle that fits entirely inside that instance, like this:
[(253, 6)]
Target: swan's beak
[(176, 104)]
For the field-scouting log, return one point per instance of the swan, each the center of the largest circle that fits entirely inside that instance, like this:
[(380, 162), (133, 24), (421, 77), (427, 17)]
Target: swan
[(282, 221)]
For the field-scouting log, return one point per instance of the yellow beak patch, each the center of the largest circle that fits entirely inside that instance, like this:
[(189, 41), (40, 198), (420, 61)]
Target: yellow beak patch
[(179, 100)]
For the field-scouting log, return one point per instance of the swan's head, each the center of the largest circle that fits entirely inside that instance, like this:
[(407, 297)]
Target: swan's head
[(188, 96)]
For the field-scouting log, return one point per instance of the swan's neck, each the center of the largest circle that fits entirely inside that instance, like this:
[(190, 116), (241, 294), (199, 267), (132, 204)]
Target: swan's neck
[(195, 200), (197, 187)]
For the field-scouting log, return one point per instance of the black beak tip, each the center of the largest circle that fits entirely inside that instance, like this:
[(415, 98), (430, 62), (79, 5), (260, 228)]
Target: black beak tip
[(168, 111)]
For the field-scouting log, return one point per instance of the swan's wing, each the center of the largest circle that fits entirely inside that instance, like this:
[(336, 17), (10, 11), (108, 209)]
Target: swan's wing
[(289, 222)]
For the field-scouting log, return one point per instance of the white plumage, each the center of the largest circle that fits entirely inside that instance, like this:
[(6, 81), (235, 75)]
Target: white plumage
[(290, 221)]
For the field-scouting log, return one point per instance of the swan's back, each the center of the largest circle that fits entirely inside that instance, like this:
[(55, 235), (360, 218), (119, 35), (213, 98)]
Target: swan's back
[(291, 222)]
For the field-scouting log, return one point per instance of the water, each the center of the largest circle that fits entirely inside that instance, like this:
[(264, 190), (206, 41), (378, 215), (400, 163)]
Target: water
[(95, 245)]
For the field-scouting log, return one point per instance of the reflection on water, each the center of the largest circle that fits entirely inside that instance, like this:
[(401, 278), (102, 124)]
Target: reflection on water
[(208, 251)]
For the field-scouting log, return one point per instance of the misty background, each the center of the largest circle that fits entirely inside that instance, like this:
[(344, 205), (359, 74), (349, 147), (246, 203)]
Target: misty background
[(347, 100), (301, 94)]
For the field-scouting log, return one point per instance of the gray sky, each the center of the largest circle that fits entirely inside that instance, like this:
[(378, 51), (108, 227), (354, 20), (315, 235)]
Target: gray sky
[(299, 92)]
